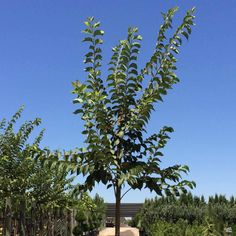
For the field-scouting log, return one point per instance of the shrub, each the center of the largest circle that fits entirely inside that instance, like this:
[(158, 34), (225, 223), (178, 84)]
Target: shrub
[(90, 215)]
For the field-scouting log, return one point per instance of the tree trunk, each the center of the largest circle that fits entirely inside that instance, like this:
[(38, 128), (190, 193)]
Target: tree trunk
[(117, 217), (7, 218), (14, 227), (22, 218), (70, 222), (50, 228), (41, 222), (32, 220)]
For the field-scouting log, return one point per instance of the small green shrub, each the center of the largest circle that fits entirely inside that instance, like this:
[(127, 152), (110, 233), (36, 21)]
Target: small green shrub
[(180, 228), (90, 215)]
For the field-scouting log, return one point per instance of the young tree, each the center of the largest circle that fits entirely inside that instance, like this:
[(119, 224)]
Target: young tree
[(26, 185), (16, 166), (117, 109), (90, 214)]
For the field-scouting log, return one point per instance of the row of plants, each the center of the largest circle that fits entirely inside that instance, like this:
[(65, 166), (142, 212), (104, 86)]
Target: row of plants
[(36, 194), (183, 228), (187, 215), (27, 188)]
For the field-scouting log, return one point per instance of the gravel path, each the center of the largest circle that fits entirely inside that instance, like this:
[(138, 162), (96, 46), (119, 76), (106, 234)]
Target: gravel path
[(125, 231)]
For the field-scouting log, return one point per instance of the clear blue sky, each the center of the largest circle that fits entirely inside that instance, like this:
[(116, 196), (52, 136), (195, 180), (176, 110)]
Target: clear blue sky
[(41, 54)]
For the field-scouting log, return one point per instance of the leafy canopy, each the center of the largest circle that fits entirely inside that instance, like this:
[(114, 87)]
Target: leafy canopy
[(117, 109), (22, 174)]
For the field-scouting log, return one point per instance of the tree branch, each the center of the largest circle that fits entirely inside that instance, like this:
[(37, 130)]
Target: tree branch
[(125, 193)]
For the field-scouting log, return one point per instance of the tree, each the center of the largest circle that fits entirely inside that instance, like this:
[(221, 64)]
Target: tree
[(16, 166), (50, 194), (117, 109), (28, 186)]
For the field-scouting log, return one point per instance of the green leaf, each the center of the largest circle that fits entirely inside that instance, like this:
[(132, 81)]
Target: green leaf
[(87, 23), (87, 31), (87, 39), (78, 111), (98, 32), (109, 185), (138, 37), (98, 41), (85, 132), (117, 142), (90, 19), (78, 100), (121, 134), (96, 25), (185, 34)]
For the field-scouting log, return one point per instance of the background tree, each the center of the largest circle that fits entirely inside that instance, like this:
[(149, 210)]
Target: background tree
[(90, 214), (28, 188), (117, 109), (16, 166)]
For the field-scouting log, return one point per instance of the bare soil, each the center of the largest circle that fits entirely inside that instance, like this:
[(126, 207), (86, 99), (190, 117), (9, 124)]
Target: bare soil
[(125, 231)]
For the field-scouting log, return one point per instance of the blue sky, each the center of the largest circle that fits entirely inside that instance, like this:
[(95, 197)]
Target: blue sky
[(41, 54)]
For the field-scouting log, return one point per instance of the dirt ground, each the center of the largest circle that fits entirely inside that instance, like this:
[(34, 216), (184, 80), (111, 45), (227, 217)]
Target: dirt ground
[(125, 231)]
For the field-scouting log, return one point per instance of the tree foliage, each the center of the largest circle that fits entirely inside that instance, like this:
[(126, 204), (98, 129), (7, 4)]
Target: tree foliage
[(26, 185), (117, 109), (90, 214), (180, 228)]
